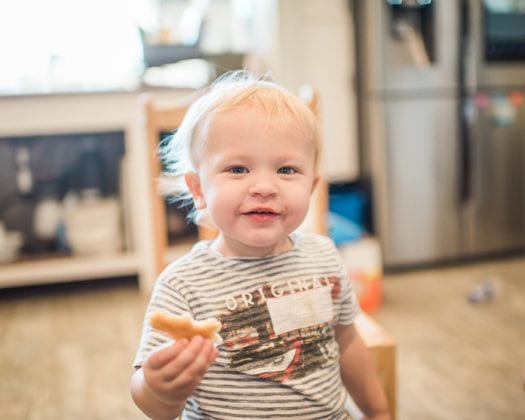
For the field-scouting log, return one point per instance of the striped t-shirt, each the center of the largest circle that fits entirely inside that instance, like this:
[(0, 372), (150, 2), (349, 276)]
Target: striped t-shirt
[(279, 356)]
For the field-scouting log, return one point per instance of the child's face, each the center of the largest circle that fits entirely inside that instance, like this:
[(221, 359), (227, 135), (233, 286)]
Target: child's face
[(255, 178)]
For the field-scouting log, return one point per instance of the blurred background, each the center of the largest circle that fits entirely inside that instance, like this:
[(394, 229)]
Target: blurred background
[(423, 115)]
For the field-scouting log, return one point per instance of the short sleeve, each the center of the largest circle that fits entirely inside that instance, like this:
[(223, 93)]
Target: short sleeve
[(168, 299)]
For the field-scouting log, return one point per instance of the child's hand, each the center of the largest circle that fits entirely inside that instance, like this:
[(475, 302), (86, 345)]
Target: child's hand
[(172, 373)]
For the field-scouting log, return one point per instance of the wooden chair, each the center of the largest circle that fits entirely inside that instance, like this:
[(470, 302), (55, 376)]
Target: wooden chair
[(382, 347), (159, 119), (317, 218), (162, 117)]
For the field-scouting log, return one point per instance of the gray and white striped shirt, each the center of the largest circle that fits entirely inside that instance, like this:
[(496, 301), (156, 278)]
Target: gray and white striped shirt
[(279, 357)]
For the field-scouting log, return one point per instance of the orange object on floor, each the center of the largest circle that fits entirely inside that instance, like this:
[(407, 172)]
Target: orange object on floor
[(364, 264), (369, 289)]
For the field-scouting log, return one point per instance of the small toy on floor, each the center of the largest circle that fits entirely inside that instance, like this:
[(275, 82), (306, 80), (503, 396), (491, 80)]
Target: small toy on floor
[(483, 292)]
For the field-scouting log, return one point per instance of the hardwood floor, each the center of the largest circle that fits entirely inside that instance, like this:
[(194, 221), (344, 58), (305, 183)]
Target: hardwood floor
[(456, 359), (66, 351)]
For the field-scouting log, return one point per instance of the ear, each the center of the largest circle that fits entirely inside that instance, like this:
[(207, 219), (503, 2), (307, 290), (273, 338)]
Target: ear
[(194, 185), (315, 183)]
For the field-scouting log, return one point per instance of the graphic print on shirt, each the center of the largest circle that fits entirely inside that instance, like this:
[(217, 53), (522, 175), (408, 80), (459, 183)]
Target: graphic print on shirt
[(280, 331)]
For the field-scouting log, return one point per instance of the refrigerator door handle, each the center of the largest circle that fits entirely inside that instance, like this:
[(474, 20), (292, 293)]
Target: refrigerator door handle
[(468, 49), (466, 113), (465, 170)]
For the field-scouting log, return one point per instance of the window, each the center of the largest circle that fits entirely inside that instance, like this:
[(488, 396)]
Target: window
[(61, 45), (98, 45)]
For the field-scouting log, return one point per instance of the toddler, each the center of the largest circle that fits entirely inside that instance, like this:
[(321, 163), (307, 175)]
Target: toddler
[(248, 151)]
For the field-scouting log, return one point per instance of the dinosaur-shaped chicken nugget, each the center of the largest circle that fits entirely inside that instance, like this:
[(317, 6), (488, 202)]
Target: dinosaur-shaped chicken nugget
[(185, 326)]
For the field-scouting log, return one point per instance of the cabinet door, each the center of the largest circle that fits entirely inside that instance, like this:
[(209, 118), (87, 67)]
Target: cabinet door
[(417, 193), (495, 217)]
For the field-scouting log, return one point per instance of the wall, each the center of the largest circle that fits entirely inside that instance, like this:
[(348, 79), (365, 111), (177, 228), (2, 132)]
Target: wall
[(311, 42)]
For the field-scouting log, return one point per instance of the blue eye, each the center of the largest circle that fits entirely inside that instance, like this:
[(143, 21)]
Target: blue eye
[(287, 170), (237, 170)]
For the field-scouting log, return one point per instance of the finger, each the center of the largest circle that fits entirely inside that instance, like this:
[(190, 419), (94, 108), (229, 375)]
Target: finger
[(161, 357), (188, 355), (189, 358), (213, 355), (182, 375), (203, 359), (194, 361)]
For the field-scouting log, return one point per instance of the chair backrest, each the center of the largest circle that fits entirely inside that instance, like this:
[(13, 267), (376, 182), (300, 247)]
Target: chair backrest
[(317, 218), (159, 117), (165, 116)]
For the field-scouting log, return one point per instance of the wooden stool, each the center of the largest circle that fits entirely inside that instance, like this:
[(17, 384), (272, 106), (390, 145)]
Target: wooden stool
[(382, 348)]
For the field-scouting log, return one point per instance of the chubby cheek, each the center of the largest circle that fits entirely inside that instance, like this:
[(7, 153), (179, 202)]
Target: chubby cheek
[(298, 207), (297, 202), (222, 202)]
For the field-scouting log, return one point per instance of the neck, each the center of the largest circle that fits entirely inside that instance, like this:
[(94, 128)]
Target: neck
[(229, 248)]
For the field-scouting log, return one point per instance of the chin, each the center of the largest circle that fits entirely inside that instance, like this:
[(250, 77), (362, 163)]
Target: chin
[(269, 245)]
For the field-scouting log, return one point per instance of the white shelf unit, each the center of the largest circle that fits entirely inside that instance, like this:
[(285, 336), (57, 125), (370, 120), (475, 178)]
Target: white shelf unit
[(64, 269), (81, 113)]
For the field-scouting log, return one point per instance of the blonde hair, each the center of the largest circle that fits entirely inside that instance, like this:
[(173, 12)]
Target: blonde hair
[(181, 152)]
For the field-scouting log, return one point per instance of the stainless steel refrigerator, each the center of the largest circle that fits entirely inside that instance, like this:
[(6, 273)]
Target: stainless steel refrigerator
[(442, 125)]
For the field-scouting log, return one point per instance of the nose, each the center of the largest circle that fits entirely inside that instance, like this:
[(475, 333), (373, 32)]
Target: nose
[(263, 186)]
